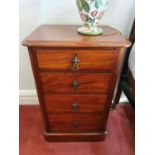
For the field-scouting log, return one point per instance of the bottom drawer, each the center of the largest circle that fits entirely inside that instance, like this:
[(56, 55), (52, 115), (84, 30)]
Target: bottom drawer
[(76, 122)]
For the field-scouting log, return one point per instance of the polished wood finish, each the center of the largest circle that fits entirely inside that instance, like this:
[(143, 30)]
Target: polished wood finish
[(76, 76), (78, 137), (63, 82), (76, 123), (75, 103), (89, 60), (39, 88), (67, 36)]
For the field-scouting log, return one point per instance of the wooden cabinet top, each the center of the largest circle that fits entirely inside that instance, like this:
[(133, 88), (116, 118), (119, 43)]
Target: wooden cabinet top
[(67, 36)]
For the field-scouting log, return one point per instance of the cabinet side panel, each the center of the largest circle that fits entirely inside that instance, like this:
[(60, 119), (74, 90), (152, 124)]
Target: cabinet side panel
[(114, 79), (32, 56)]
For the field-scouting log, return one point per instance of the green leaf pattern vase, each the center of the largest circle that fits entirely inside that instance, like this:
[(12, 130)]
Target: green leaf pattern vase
[(91, 11)]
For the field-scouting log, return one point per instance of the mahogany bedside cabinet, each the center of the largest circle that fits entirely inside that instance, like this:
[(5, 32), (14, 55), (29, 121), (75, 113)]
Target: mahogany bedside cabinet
[(75, 77)]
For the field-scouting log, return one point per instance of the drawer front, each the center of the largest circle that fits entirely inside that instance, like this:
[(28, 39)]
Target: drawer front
[(75, 83), (75, 103), (76, 123), (97, 60)]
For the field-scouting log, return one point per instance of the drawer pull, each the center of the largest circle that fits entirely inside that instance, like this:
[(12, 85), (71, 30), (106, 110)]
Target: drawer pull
[(75, 84), (75, 124), (74, 107), (75, 61)]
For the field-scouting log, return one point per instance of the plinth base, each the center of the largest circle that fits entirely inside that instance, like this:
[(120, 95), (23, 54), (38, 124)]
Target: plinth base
[(60, 137)]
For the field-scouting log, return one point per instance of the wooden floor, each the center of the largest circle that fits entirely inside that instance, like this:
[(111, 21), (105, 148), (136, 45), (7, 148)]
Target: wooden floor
[(119, 141)]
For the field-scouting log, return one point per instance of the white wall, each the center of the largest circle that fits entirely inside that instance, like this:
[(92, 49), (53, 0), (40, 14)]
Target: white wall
[(120, 15)]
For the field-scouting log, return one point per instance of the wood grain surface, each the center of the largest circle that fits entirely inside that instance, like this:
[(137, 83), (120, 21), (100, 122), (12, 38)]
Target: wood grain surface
[(75, 103), (75, 76), (67, 36), (87, 83), (89, 60), (85, 123)]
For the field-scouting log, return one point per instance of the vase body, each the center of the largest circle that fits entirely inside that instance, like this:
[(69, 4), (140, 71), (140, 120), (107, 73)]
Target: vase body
[(91, 12)]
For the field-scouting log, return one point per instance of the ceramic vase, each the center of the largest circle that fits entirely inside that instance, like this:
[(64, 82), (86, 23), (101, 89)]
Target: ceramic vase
[(91, 12)]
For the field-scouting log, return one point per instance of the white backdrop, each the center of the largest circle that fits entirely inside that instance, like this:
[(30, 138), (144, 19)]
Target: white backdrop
[(32, 13)]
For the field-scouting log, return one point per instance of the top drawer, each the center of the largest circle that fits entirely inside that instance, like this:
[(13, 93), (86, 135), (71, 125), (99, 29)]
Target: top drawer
[(76, 60)]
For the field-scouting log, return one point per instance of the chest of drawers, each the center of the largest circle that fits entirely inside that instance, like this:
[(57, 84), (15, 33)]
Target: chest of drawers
[(75, 77)]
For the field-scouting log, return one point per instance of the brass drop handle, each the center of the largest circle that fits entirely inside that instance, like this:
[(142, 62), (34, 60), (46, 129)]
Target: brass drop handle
[(75, 62), (75, 124), (74, 107), (75, 84)]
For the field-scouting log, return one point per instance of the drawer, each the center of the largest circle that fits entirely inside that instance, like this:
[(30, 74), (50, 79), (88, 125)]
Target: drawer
[(75, 123), (75, 83), (88, 60), (75, 103)]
